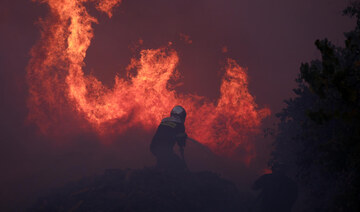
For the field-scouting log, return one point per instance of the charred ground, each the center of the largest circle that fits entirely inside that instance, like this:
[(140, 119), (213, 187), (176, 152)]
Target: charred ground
[(147, 189)]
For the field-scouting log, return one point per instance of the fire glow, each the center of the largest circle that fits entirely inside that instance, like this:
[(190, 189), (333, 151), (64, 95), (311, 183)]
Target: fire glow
[(57, 81)]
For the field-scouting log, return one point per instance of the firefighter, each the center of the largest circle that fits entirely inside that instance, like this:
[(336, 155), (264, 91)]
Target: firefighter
[(171, 131)]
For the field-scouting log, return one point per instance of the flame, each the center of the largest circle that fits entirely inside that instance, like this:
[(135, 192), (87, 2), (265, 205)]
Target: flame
[(58, 87), (266, 171)]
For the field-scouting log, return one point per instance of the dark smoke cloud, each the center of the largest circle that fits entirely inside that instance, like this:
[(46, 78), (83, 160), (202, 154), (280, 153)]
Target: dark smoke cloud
[(271, 38)]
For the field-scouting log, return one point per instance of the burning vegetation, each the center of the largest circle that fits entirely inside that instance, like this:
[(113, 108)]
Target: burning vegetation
[(59, 88)]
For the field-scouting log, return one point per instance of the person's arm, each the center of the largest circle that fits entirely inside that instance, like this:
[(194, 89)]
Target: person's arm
[(181, 139)]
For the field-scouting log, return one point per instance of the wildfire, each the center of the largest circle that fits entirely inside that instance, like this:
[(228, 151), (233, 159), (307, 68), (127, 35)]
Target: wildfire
[(57, 81)]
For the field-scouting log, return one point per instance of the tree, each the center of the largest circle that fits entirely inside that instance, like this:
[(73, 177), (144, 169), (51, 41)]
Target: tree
[(319, 129)]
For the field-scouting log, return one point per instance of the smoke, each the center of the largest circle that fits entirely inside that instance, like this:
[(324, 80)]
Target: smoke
[(258, 34), (60, 90)]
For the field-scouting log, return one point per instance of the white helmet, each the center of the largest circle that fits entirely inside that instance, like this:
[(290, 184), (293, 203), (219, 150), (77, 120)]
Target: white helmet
[(178, 112)]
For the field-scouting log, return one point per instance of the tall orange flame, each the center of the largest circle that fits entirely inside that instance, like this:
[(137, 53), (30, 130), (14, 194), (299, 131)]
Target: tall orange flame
[(57, 81)]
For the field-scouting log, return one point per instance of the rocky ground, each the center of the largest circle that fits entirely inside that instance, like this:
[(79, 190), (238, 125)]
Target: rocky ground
[(148, 189)]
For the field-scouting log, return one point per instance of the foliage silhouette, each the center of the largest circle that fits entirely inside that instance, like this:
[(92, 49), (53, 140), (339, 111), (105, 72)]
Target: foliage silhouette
[(319, 130)]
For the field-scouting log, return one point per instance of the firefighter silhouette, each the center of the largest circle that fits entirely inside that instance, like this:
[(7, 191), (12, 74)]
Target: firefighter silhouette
[(278, 191), (171, 131)]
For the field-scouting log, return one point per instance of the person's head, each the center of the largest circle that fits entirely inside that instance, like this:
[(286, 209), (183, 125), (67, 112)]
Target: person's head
[(178, 112)]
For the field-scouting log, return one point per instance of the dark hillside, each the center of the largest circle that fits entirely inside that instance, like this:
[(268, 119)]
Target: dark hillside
[(148, 189)]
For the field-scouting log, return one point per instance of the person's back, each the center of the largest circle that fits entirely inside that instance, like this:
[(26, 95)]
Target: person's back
[(170, 131)]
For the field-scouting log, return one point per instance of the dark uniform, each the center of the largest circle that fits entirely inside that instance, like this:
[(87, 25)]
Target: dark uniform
[(170, 131)]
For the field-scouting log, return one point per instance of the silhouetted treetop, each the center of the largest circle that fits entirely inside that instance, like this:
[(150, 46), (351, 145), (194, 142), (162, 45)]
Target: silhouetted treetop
[(319, 129)]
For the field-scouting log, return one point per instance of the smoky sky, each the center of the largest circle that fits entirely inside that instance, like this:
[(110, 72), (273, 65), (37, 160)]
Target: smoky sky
[(270, 38)]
